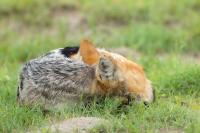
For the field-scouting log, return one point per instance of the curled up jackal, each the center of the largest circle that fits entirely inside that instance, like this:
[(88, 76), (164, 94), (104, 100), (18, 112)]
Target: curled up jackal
[(62, 74)]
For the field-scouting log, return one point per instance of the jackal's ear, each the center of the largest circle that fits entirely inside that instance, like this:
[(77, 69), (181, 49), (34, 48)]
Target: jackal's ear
[(88, 52)]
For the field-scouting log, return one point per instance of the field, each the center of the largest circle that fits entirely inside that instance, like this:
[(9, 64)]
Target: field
[(162, 36)]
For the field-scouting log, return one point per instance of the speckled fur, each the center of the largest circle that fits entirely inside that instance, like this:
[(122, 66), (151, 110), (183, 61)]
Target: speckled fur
[(52, 77), (55, 78)]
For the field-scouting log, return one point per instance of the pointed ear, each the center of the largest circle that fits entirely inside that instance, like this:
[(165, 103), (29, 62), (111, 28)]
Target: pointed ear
[(88, 52)]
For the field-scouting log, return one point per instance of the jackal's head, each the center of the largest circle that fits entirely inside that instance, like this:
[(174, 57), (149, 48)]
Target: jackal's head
[(115, 72)]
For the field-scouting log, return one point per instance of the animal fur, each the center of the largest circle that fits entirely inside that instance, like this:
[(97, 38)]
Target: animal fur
[(62, 74)]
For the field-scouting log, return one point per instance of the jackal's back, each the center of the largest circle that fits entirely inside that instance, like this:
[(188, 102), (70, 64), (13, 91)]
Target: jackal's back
[(52, 76)]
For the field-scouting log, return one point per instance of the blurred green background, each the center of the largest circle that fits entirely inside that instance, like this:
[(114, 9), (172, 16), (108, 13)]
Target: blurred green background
[(163, 36), (152, 26)]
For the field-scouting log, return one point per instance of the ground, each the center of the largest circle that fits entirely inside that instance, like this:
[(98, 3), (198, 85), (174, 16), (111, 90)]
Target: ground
[(162, 36)]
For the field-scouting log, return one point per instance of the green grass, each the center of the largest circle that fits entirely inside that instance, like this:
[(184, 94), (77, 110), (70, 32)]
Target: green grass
[(166, 34)]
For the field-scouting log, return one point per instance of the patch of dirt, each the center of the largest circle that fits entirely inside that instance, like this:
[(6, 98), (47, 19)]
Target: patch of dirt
[(192, 58), (196, 7), (80, 125), (77, 21), (66, 20), (73, 18), (173, 24)]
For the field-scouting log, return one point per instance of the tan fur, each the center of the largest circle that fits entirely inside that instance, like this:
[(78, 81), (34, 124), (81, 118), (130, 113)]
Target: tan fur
[(88, 52), (128, 77)]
